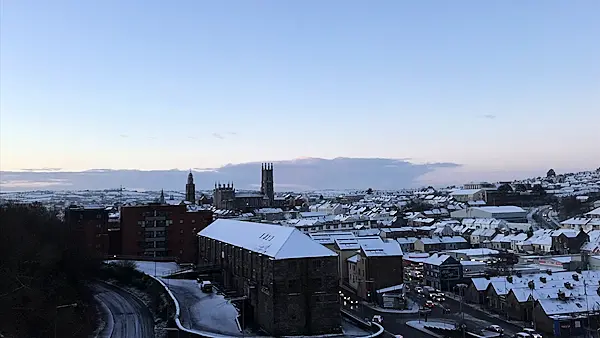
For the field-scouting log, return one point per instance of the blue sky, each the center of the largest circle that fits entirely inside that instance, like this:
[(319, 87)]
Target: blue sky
[(493, 85)]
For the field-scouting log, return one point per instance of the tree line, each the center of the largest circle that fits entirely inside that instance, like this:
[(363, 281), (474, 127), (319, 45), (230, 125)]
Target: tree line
[(43, 275)]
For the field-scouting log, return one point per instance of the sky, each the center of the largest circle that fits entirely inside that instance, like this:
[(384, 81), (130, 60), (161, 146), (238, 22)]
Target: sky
[(145, 84)]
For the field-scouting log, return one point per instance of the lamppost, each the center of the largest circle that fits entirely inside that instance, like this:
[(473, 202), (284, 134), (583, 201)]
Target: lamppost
[(461, 290), (56, 314)]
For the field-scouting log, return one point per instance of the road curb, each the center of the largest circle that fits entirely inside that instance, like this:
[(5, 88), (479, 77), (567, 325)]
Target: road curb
[(108, 329)]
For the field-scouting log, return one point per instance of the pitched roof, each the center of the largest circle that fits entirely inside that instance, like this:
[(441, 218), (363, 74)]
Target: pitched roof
[(272, 240)]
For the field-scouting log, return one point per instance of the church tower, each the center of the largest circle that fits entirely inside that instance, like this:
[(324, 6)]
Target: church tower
[(190, 189), (266, 186)]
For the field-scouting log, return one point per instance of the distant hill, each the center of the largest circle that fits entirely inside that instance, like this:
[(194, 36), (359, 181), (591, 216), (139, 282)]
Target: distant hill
[(293, 175)]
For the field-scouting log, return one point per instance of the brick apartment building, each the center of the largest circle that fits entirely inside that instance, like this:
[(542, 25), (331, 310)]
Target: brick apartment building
[(376, 265), (162, 230), (89, 227), (290, 281)]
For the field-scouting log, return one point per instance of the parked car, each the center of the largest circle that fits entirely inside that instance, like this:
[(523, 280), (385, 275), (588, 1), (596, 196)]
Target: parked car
[(206, 286), (532, 332), (419, 289), (521, 335), (495, 328)]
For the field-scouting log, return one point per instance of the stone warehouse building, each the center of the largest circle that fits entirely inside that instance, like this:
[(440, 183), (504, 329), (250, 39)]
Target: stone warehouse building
[(290, 281)]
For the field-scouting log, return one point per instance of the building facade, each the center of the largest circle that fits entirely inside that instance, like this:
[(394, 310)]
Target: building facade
[(442, 272), (161, 230), (288, 281), (89, 227)]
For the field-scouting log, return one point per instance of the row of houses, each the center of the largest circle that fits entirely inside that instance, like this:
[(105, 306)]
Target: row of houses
[(549, 299)]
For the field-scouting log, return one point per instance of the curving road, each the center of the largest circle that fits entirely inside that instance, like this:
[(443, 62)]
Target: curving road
[(125, 315)]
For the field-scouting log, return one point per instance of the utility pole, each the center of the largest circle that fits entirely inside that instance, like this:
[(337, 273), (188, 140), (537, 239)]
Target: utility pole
[(461, 290)]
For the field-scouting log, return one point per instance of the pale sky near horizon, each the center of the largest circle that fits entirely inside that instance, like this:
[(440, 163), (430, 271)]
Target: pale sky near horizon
[(494, 85)]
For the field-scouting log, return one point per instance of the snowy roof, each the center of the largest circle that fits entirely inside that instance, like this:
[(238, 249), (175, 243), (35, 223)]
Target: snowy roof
[(501, 209), (272, 240), (476, 252), (398, 287), (436, 259), (329, 237), (391, 248), (595, 212), (464, 192)]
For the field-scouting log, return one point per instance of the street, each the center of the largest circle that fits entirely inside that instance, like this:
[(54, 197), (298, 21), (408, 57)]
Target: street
[(395, 323), (124, 315)]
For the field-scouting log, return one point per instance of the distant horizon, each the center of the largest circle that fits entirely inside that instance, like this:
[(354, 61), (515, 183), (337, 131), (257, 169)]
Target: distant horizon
[(293, 175)]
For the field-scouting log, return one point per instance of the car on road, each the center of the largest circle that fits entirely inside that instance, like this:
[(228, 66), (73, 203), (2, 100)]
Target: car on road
[(377, 319), (419, 289), (438, 298), (429, 304), (495, 328), (532, 332)]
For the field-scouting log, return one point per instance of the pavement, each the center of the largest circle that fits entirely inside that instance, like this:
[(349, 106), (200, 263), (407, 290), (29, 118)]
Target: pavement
[(125, 315), (203, 311)]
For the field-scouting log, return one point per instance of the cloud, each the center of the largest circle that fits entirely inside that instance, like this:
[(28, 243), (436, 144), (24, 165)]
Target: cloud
[(232, 133), (219, 136), (489, 116), (42, 169), (123, 136)]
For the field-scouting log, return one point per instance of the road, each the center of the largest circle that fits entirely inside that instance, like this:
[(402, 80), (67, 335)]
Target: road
[(125, 315), (476, 321), (546, 215)]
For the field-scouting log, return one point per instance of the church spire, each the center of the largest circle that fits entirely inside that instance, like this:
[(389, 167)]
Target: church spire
[(161, 199)]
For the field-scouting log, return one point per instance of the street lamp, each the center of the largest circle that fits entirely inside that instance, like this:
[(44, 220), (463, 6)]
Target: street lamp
[(461, 290), (56, 314)]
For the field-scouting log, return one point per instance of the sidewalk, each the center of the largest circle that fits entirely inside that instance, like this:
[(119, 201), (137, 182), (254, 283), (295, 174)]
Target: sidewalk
[(420, 325)]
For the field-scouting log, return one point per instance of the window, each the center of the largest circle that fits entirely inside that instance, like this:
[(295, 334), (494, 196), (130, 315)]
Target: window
[(193, 221), (317, 264), (160, 233), (180, 221), (293, 285), (160, 244), (181, 231)]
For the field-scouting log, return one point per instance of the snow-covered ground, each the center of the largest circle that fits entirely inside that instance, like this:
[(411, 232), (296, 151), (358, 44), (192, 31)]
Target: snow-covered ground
[(203, 311), (351, 330), (157, 269), (210, 312)]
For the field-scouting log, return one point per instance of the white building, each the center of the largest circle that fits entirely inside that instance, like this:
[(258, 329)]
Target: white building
[(507, 213)]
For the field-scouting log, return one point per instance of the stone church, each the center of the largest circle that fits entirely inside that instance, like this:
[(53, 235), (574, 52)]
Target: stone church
[(225, 196)]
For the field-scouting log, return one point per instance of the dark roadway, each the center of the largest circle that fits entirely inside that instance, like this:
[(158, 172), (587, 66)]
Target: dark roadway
[(125, 316)]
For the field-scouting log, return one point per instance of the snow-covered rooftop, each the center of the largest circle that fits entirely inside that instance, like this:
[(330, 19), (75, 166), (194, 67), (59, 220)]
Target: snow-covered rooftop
[(274, 241)]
